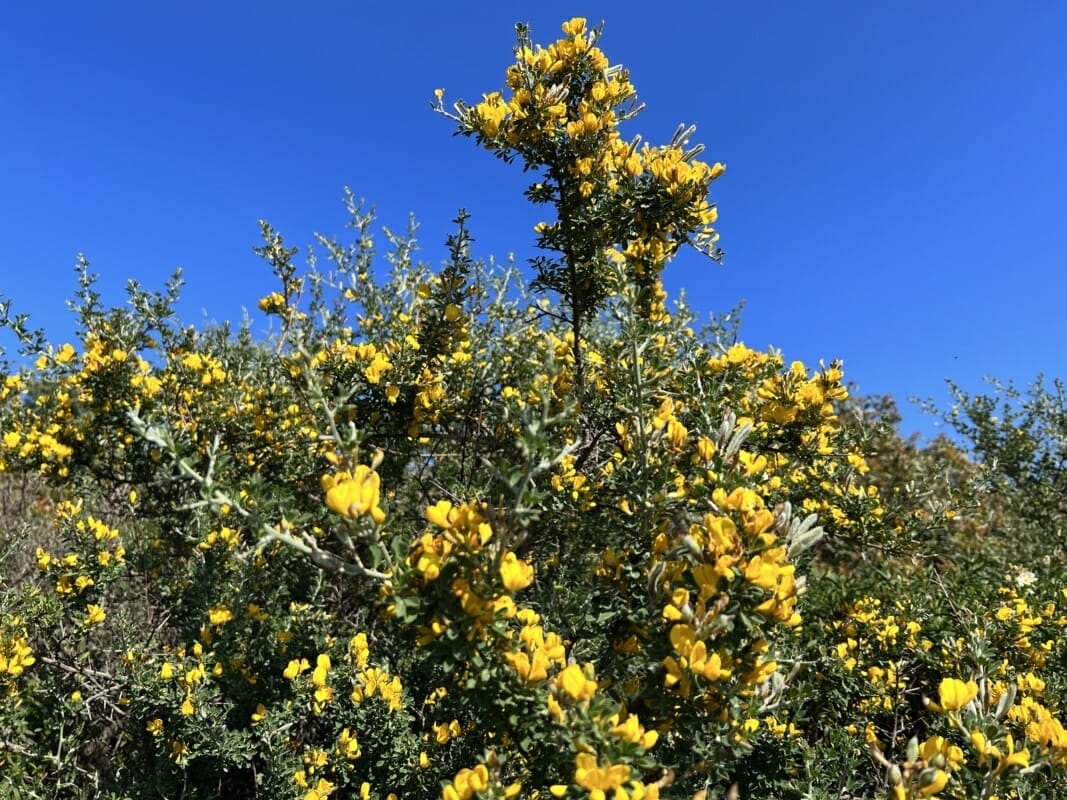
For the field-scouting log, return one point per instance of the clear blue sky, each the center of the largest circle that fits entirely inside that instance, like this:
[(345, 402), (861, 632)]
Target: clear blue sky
[(895, 195)]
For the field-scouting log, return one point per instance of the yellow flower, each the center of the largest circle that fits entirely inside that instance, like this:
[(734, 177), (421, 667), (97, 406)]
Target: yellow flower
[(65, 354), (468, 782), (295, 667), (682, 637), (95, 615), (322, 667), (348, 746), (178, 752), (575, 26), (955, 693), (272, 303), (515, 572), (355, 495), (574, 683), (938, 745), (322, 790), (438, 514), (589, 775), (705, 449), (711, 668), (676, 434), (220, 615), (1013, 758), (934, 783), (444, 731)]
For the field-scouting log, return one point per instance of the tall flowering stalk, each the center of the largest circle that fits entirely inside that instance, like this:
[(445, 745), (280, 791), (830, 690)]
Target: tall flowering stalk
[(617, 202)]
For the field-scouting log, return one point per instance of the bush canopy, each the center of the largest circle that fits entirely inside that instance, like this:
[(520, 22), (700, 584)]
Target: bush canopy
[(452, 533)]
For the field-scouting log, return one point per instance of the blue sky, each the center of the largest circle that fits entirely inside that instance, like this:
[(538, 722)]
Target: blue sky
[(895, 191)]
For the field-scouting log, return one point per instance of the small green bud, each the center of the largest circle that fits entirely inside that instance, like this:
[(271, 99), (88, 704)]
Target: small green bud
[(913, 749), (896, 777)]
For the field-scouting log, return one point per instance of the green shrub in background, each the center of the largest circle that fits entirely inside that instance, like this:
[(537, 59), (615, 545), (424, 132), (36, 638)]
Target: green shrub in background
[(443, 537)]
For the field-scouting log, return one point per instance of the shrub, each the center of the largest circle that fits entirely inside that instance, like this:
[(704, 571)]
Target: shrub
[(442, 534)]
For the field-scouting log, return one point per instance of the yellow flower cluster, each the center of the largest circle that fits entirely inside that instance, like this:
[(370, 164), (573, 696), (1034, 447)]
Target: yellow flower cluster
[(15, 653), (562, 112), (355, 493), (315, 759), (189, 669), (368, 682), (376, 681), (1044, 729), (599, 779), (539, 650), (272, 303), (467, 783), (873, 643), (539, 108), (720, 553), (568, 479), (460, 534), (644, 487), (107, 379), (373, 360), (1031, 629), (928, 772), (869, 628), (602, 779), (94, 615), (207, 367), (321, 693), (225, 536), (444, 732), (483, 778), (100, 551), (461, 527)]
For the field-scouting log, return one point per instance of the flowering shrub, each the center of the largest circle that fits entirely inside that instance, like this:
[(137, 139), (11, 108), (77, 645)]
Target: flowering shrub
[(442, 535)]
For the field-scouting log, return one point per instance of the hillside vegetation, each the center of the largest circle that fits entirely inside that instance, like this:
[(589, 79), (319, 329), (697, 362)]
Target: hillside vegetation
[(451, 534)]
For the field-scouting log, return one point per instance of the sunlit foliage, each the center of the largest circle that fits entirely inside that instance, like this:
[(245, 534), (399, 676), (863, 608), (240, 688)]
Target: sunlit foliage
[(445, 535)]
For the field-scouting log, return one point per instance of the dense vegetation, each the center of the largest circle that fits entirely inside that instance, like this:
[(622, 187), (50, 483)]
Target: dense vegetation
[(445, 534)]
